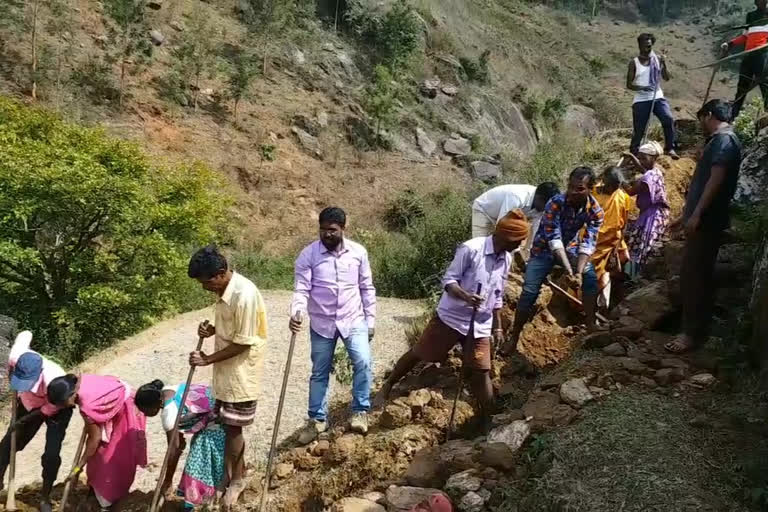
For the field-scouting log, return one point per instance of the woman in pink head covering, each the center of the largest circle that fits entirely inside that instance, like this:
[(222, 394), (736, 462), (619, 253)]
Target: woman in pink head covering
[(117, 442)]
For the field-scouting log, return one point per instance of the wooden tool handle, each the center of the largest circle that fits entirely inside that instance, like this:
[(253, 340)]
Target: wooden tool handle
[(10, 501), (70, 482)]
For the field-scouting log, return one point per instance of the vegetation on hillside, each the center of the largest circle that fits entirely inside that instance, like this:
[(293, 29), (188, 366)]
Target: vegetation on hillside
[(94, 239)]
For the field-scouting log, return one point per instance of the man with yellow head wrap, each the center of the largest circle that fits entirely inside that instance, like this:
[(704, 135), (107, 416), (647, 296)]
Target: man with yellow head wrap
[(483, 262)]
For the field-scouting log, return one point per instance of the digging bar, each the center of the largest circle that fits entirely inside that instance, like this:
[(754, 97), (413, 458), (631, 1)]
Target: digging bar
[(10, 501), (70, 481)]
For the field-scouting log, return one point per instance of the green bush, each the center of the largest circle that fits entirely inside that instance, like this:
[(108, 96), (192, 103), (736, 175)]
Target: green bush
[(404, 210), (551, 161), (94, 76), (411, 263), (393, 37), (476, 71), (94, 241), (745, 125)]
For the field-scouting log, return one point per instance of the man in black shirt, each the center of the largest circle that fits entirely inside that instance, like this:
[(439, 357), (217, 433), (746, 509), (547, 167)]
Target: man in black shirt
[(704, 219)]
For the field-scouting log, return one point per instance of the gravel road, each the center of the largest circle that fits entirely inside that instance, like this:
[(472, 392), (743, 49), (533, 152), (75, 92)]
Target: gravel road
[(161, 352)]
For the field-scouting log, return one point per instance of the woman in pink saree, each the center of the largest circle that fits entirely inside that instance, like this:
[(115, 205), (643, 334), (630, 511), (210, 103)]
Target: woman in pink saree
[(116, 443)]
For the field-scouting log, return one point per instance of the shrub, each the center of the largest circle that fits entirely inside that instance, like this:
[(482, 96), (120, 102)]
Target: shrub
[(393, 37), (404, 210), (411, 263), (95, 77), (745, 125), (476, 71), (95, 241), (550, 162)]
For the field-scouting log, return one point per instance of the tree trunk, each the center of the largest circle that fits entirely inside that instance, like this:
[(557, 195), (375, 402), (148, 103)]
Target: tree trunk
[(664, 10), (336, 18), (35, 7), (237, 102), (594, 8), (122, 82), (197, 89)]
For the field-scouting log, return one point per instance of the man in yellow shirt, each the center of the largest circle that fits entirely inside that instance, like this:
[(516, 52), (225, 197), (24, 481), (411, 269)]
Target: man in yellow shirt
[(240, 329)]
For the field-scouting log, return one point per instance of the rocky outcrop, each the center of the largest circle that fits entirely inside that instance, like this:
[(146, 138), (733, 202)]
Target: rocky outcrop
[(582, 120), (753, 176), (758, 308)]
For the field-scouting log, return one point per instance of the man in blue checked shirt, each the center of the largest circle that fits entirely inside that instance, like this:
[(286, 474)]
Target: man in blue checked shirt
[(567, 236)]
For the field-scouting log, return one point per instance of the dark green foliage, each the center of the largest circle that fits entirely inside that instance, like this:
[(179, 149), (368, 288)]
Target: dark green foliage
[(392, 37)]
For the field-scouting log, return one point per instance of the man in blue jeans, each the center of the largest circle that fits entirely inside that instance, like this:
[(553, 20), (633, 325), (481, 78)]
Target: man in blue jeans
[(567, 236), (335, 286), (644, 77)]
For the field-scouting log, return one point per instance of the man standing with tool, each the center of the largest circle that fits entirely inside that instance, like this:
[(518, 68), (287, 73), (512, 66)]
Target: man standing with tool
[(334, 284), (705, 217), (567, 235), (644, 78), (754, 66), (30, 374), (483, 261), (240, 329)]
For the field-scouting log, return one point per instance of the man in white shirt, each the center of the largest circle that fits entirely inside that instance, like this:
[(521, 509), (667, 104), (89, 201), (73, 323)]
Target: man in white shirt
[(494, 204), (30, 374)]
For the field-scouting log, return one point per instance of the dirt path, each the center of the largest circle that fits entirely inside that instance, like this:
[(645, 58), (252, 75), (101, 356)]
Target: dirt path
[(161, 352)]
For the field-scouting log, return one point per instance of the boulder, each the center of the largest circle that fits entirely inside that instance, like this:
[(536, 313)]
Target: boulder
[(752, 185), (347, 64), (472, 502), (552, 381), (430, 88), (614, 349), (395, 415), (283, 470), (426, 469), (581, 120), (298, 57), (405, 498), (576, 393), (540, 403), (457, 146), (356, 505), (306, 123), (461, 483), (628, 327), (178, 26), (426, 145), (496, 455), (513, 435), (156, 37), (418, 400), (632, 365), (650, 304), (668, 376), (308, 142), (598, 339), (322, 119), (703, 380), (450, 90), (486, 171)]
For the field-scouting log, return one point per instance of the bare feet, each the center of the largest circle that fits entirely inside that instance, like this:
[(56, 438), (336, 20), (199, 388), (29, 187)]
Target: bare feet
[(382, 396), (236, 487), (680, 345)]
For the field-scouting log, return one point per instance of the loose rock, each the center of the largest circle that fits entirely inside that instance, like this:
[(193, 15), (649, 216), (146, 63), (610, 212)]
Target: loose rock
[(322, 119), (457, 146), (178, 26), (667, 376), (356, 505), (450, 90), (486, 171), (496, 455), (513, 435), (552, 381), (157, 37), (284, 470), (575, 392), (703, 379), (429, 88), (419, 398), (650, 304), (507, 417), (155, 4), (308, 142), (395, 415), (674, 363), (321, 448), (598, 339), (632, 365), (376, 497), (471, 502), (404, 498), (344, 447), (614, 349), (629, 327), (462, 483)]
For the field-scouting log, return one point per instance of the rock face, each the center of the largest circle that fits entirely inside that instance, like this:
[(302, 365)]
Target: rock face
[(487, 171), (576, 393), (513, 435), (356, 505), (8, 327), (404, 498), (582, 120), (753, 175), (426, 145), (457, 146), (650, 304)]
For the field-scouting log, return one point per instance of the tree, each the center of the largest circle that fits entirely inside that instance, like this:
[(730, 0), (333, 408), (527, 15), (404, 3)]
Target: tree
[(59, 26), (382, 97), (128, 35), (266, 19), (93, 240), (35, 6), (241, 73), (196, 52)]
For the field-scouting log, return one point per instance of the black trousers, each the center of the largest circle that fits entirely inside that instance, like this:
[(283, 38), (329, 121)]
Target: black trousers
[(752, 72), (696, 283), (56, 430)]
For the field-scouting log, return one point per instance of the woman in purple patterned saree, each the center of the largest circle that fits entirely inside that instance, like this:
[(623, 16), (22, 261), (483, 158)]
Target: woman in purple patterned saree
[(646, 232)]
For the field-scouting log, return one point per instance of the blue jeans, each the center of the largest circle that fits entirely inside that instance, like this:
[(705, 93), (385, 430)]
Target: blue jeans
[(359, 351), (536, 273), (641, 116)]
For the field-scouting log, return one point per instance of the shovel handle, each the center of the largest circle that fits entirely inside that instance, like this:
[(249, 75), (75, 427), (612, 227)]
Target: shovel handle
[(70, 483)]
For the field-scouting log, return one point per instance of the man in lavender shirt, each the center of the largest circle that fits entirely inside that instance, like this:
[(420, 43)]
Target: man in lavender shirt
[(335, 286), (483, 261)]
